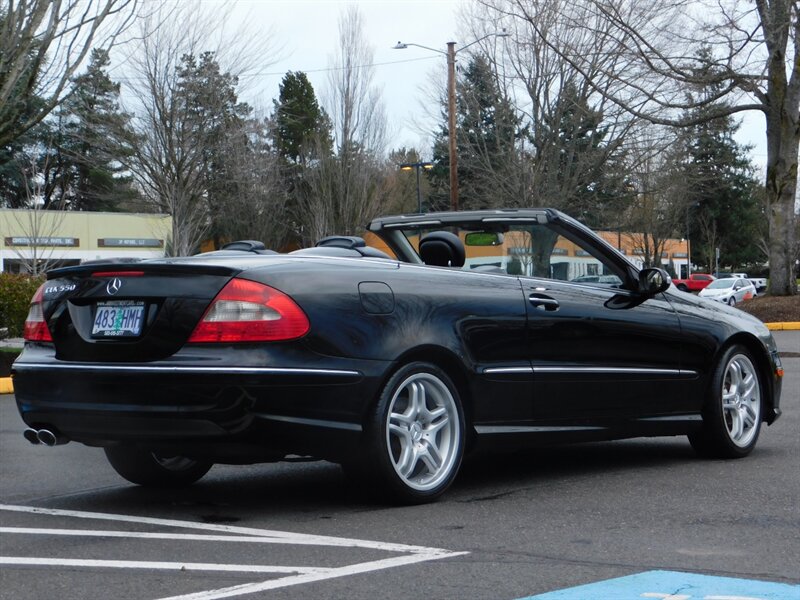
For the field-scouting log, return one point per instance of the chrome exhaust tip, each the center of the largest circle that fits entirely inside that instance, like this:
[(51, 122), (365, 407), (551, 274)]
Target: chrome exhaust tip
[(48, 438), (32, 436)]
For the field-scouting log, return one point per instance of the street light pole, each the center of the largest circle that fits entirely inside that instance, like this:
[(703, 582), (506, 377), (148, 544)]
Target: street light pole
[(417, 166), (451, 103)]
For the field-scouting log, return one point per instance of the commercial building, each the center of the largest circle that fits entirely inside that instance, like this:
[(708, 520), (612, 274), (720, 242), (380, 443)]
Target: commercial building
[(61, 238), (52, 238)]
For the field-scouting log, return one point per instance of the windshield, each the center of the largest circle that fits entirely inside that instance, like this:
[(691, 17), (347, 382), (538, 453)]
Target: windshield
[(721, 284), (524, 249)]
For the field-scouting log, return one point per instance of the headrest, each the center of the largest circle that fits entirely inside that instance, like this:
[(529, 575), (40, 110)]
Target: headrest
[(351, 242), (442, 249)]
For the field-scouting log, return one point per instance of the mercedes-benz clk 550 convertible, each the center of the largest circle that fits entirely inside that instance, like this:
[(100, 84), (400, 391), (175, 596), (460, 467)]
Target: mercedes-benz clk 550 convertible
[(442, 334)]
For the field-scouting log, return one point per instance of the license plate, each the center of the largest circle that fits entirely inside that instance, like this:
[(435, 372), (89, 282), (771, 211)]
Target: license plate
[(118, 319)]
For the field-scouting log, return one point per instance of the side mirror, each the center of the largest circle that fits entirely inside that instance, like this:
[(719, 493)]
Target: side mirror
[(653, 281)]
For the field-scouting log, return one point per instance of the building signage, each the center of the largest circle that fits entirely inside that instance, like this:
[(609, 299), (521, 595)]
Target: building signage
[(129, 243), (42, 241)]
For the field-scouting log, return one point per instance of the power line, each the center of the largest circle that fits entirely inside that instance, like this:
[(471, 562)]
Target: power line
[(329, 69)]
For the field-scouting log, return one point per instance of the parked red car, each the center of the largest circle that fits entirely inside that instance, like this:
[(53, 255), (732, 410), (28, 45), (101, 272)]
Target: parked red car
[(694, 283)]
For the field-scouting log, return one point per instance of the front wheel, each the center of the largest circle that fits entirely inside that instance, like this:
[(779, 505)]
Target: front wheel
[(732, 414), (153, 470), (415, 438), (731, 301)]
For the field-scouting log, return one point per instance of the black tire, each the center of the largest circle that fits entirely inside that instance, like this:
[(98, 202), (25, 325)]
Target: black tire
[(414, 438), (731, 301), (733, 408), (683, 288), (148, 469)]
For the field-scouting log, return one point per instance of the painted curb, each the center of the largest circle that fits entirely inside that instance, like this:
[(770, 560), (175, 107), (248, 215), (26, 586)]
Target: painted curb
[(6, 387), (788, 326)]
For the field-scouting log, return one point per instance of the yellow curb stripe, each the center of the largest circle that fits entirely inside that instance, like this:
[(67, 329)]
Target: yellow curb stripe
[(6, 387), (787, 326)]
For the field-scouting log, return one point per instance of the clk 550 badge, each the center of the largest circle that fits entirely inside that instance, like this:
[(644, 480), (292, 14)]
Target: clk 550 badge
[(59, 289)]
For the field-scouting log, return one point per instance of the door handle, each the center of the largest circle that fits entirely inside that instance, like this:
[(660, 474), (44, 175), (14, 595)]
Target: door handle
[(543, 302)]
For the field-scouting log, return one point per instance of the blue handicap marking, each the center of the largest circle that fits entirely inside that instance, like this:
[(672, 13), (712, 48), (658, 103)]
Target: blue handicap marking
[(672, 585)]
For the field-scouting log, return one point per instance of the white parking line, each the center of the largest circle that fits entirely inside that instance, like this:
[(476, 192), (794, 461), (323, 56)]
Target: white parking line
[(278, 536), (156, 565), (293, 575), (199, 537), (251, 588)]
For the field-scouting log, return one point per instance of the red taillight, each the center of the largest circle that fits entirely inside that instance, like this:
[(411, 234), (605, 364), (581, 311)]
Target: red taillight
[(36, 329), (246, 311)]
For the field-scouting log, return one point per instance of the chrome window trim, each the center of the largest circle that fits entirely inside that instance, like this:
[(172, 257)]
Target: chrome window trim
[(182, 369), (597, 370)]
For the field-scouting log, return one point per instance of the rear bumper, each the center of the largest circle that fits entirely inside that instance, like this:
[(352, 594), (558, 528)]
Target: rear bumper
[(185, 402)]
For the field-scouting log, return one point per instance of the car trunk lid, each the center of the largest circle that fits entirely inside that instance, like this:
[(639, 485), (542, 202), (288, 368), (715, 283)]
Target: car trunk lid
[(128, 313)]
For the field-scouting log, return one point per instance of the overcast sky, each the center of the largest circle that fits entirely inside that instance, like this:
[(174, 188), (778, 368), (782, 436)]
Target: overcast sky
[(308, 32)]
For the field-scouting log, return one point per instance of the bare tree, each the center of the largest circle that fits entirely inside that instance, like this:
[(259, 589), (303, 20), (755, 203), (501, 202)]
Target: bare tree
[(558, 102), (176, 122), (42, 44), (748, 51), (354, 102), (40, 225), (345, 190), (659, 204), (258, 208)]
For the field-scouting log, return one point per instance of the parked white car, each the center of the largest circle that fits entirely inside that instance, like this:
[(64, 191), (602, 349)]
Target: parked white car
[(760, 283), (729, 290)]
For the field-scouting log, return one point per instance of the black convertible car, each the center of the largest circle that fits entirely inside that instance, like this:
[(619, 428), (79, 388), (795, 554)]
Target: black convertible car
[(444, 333)]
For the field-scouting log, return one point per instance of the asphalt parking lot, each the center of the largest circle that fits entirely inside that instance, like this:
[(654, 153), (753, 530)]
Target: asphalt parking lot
[(646, 514)]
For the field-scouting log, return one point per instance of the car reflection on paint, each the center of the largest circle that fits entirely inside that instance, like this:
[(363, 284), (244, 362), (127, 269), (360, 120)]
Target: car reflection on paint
[(729, 290)]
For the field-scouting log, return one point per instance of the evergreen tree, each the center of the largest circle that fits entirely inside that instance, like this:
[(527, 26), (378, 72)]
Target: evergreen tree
[(73, 153), (300, 127), (487, 134), (215, 122), (16, 159), (301, 134), (723, 197), (576, 170), (86, 152)]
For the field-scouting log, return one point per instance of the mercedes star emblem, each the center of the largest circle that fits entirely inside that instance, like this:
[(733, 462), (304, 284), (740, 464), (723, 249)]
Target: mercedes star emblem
[(113, 286)]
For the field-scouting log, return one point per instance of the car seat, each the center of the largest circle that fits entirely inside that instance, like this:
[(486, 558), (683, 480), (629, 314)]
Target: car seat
[(442, 249)]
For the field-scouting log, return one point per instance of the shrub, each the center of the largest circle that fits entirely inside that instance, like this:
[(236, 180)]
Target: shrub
[(16, 292)]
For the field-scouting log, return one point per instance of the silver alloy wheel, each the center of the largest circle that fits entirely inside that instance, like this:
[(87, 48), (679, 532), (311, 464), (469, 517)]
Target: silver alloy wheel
[(741, 400), (423, 431)]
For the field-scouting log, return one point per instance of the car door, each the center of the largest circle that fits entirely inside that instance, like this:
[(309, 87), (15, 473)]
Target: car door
[(596, 349)]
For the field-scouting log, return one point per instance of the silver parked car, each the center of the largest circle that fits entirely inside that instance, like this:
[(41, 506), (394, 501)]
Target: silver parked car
[(729, 290)]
